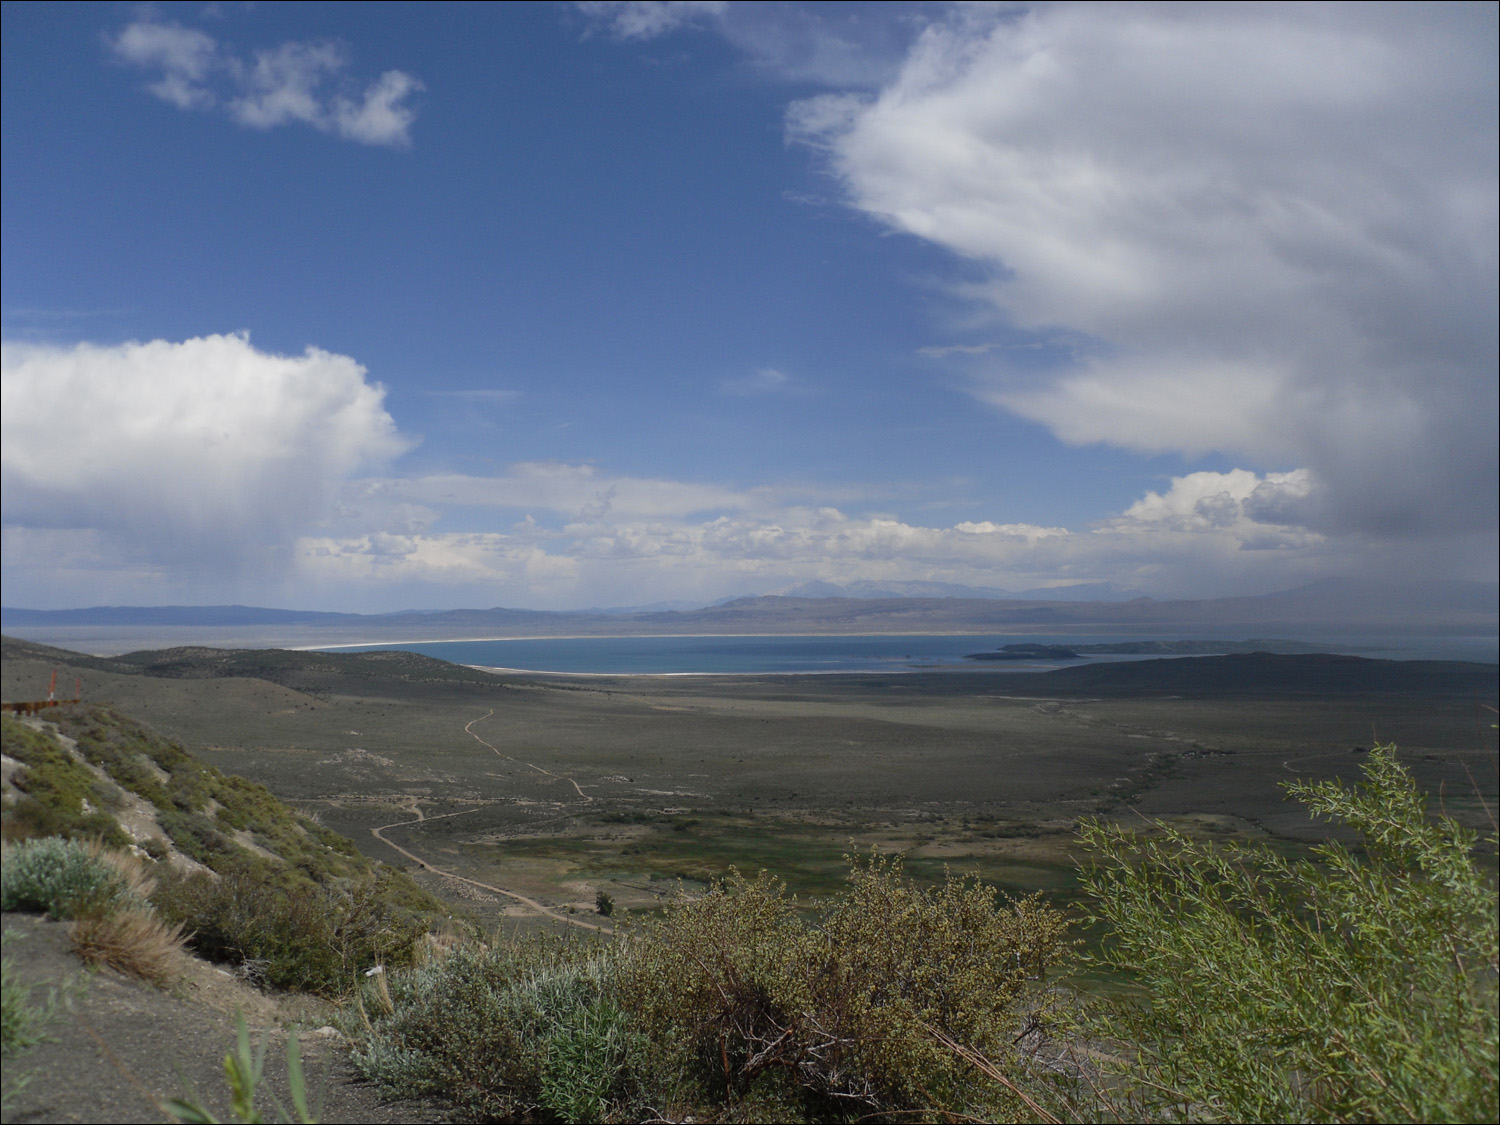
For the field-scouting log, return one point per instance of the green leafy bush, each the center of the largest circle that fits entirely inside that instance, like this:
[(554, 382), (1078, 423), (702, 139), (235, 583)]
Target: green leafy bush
[(293, 933), (1360, 987), (65, 878), (591, 1063)]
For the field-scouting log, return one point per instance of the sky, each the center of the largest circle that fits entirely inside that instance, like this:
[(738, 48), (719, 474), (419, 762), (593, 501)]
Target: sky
[(372, 307)]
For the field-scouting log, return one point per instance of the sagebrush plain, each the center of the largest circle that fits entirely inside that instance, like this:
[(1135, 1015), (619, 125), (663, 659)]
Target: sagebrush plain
[(555, 789)]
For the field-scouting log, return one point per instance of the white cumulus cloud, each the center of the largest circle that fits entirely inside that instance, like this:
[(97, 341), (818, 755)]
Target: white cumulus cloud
[(185, 56), (1226, 500), (200, 454)]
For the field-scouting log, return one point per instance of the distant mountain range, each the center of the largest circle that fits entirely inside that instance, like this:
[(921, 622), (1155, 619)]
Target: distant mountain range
[(1078, 592), (1465, 608)]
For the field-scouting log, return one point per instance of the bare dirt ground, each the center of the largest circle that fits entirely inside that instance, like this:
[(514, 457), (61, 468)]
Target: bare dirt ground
[(116, 1049)]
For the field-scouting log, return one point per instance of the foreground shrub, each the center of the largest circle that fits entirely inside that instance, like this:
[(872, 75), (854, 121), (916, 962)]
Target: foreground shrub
[(66, 879), (1357, 988), (718, 986), (592, 1063), (844, 1019), (504, 1032), (289, 932), (731, 1007), (906, 966)]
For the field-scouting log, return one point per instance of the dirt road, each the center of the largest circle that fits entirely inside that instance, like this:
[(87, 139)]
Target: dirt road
[(529, 903)]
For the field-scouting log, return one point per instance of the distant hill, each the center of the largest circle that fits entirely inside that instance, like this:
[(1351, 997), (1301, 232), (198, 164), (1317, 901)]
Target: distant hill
[(1077, 592), (1458, 608), (1271, 674), (171, 615)]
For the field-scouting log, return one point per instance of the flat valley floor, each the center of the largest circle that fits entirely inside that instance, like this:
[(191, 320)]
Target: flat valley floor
[(521, 798)]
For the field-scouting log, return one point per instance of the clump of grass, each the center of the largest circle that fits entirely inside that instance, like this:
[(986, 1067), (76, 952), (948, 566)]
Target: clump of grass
[(134, 941), (23, 1021), (68, 879)]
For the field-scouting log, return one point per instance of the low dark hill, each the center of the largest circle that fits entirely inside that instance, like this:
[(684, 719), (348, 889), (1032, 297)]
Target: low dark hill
[(302, 671), (13, 648), (1264, 673)]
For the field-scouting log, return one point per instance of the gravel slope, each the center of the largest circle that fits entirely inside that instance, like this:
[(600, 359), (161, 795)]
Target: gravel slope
[(118, 1048)]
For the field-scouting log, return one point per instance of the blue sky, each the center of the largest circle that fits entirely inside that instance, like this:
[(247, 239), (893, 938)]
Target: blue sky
[(566, 305)]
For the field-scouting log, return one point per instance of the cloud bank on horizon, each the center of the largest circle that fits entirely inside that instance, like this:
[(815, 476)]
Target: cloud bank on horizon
[(1247, 252), (156, 463)]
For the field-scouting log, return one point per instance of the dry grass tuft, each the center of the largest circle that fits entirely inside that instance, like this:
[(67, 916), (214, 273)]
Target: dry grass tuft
[(438, 943), (134, 941), (132, 871)]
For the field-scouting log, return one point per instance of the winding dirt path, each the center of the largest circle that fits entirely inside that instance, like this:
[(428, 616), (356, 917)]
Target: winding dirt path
[(414, 806), (469, 730), (530, 903)]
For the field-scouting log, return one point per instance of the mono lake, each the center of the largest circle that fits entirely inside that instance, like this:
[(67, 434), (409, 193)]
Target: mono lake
[(804, 655)]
